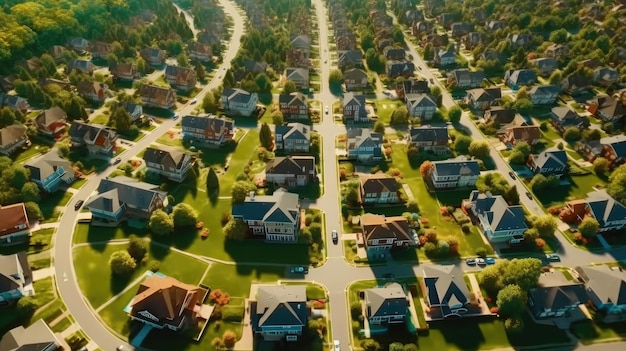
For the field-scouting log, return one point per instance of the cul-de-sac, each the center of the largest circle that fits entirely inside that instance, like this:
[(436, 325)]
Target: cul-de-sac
[(323, 175)]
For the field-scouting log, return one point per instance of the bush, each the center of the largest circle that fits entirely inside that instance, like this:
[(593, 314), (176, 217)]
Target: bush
[(229, 339), (219, 297), (226, 217), (494, 309), (465, 228), (154, 266), (355, 310), (481, 252), (232, 313), (514, 325)]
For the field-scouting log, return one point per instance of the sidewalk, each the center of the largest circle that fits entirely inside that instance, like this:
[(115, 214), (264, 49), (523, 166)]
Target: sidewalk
[(43, 273)]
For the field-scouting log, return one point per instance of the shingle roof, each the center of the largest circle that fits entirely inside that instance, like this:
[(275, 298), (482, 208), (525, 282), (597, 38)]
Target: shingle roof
[(281, 305), (378, 183), (429, 133), (166, 156), (12, 217), (237, 95), (9, 268), (420, 99), (390, 300), (607, 283), (445, 286), (555, 292), (499, 214), (207, 122), (294, 165), (35, 337), (522, 76), (293, 99), (113, 192), (617, 142), (380, 227), (12, 133), (43, 166), (351, 98), (455, 167), (294, 131), (359, 136), (282, 206), (51, 115), (605, 208), (297, 74), (354, 74), (551, 158)]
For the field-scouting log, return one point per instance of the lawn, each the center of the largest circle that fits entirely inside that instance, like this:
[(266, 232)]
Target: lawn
[(40, 240), (114, 315), (579, 186), (590, 332), (170, 140), (236, 279), (78, 183), (11, 317), (48, 202), (62, 325), (384, 109)]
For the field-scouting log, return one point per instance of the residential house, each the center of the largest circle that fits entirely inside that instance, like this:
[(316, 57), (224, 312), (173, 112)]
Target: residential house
[(557, 51), (446, 293), (575, 84), (453, 173), (279, 312), (350, 59), (16, 279), (200, 52), (395, 69), (446, 19), (434, 140), (96, 138), (499, 221), (513, 135), (590, 149), (124, 71), (460, 29), (14, 102), (355, 79), (238, 102), (545, 65), (100, 50), (378, 188), (495, 25), (153, 56), (411, 86), (157, 96), (12, 138), (464, 78), (607, 108), (421, 105), (610, 214), (382, 233), (516, 78), (473, 39), (294, 106), (544, 94), (93, 91), (207, 130), (181, 78), (606, 76), (297, 58), (299, 76), (135, 111), (64, 84), (49, 171), (614, 149), (590, 63), (122, 197), (420, 27), (549, 162), (364, 145), (80, 45), (556, 297), (301, 42), (14, 225), (518, 40), (254, 67), (445, 57), (51, 122), (493, 55), (383, 42), (276, 217), (209, 37), (33, 65), (354, 108), (6, 82), (83, 66), (171, 163), (386, 305), (394, 53), (562, 117), (165, 303), (293, 137), (35, 337), (482, 99), (56, 51), (502, 116), (606, 290), (291, 171)]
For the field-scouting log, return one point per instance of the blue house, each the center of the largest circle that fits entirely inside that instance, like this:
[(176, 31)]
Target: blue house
[(49, 171), (606, 289), (520, 77), (279, 312), (364, 145), (15, 277)]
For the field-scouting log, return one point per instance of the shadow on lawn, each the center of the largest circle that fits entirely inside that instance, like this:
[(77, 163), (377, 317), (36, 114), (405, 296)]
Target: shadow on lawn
[(119, 283), (255, 250), (464, 334)]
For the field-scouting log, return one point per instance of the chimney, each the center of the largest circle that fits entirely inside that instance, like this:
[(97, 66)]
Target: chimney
[(252, 195)]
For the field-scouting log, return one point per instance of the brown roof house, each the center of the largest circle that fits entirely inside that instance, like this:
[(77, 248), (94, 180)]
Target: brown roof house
[(15, 102), (606, 289), (181, 78), (93, 91), (169, 162), (124, 71), (529, 134), (165, 303), (291, 171), (294, 106), (156, 96), (382, 233), (51, 122), (378, 188), (14, 225), (607, 108), (153, 56), (12, 138), (35, 337), (100, 50), (209, 131), (199, 51)]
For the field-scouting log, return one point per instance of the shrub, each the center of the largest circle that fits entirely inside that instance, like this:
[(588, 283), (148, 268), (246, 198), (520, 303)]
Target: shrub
[(481, 252), (355, 310), (229, 339), (431, 235), (465, 228), (232, 313), (540, 243), (494, 309), (554, 210), (219, 297), (217, 342), (154, 266), (514, 325), (580, 239)]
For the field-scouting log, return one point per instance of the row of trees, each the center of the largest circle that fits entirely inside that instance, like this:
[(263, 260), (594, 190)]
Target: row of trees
[(182, 216), (15, 186)]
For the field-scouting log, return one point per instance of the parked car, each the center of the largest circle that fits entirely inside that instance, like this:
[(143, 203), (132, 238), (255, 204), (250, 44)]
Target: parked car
[(117, 160), (175, 116), (193, 101), (336, 345), (299, 270), (553, 257), (529, 195), (512, 174), (335, 237), (120, 348), (78, 205), (480, 261), (326, 110), (471, 261), (490, 260)]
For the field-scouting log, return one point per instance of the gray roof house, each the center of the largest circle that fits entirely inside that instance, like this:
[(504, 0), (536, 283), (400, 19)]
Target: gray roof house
[(606, 76), (544, 94), (294, 106), (386, 305), (355, 79), (556, 297), (562, 117), (84, 66), (350, 59), (15, 102), (291, 171), (465, 78), (35, 337), (520, 77), (16, 277), (364, 145), (170, 162), (11, 138), (610, 214), (239, 102), (431, 139), (50, 171), (279, 312), (421, 105), (354, 108), (293, 137), (300, 77), (395, 68), (209, 131), (549, 162), (499, 221), (457, 172), (276, 217), (483, 99), (606, 289), (96, 138), (545, 65), (446, 292)]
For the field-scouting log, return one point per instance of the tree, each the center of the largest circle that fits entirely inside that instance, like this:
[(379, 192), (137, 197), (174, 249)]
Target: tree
[(429, 52), (212, 181), (538, 183), (240, 190), (522, 93), (588, 228), (33, 211), (335, 79), (479, 149), (183, 215), (30, 192), (209, 103), (379, 127), (137, 248), (571, 134), (592, 134), (122, 263), (410, 347), (545, 225), (277, 118), (370, 345), (524, 272), (396, 346), (454, 114), (511, 301), (161, 223), (559, 36), (511, 195), (19, 176), (229, 339), (601, 165), (523, 106), (289, 87), (399, 115), (120, 119), (436, 93), (200, 72), (462, 144), (264, 83), (516, 157), (617, 184), (425, 168), (556, 77), (235, 229), (265, 137)]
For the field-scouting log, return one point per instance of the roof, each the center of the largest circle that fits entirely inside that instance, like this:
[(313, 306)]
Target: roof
[(551, 158), (294, 131), (390, 300), (607, 73), (354, 74), (350, 57), (359, 136), (607, 283), (554, 292), (35, 337), (163, 298), (237, 95), (90, 87), (9, 268), (522, 76), (609, 106), (498, 213), (45, 165), (13, 219), (481, 94), (380, 227), (501, 115), (445, 287), (378, 183), (295, 98), (526, 133), (80, 64), (168, 157), (51, 115), (95, 133), (420, 100), (564, 112), (301, 41), (429, 133), (281, 305), (155, 92), (617, 142), (463, 74), (11, 134), (113, 192), (455, 167), (605, 208), (546, 63), (544, 89), (293, 165), (351, 98), (282, 207)]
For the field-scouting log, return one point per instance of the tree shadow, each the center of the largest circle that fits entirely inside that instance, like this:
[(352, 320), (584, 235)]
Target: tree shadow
[(464, 334), (159, 250), (119, 283)]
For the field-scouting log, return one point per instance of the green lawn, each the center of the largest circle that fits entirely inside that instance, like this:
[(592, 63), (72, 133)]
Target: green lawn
[(11, 317), (43, 238), (385, 107), (114, 315), (590, 332), (100, 119), (62, 325), (48, 203), (236, 280), (170, 140), (579, 186), (78, 183)]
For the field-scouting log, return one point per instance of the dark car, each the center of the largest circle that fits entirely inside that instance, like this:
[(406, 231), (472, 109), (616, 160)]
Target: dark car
[(512, 174), (78, 204), (553, 257), (299, 270), (530, 196), (335, 237)]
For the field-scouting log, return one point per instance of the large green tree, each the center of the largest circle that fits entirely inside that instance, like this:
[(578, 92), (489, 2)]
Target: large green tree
[(588, 227), (160, 223), (184, 215), (511, 301), (265, 137), (122, 263), (240, 190), (235, 229)]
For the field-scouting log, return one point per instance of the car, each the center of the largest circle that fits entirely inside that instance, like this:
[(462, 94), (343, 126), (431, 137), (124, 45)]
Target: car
[(336, 346), (78, 205), (119, 348), (490, 260), (553, 257), (471, 261), (512, 174), (299, 270), (529, 195), (117, 160), (431, 81), (335, 236), (480, 261), (326, 109), (325, 61), (193, 101), (388, 275)]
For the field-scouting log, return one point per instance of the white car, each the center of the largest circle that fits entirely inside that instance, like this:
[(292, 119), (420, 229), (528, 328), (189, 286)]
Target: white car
[(193, 101), (336, 345), (480, 261), (326, 109)]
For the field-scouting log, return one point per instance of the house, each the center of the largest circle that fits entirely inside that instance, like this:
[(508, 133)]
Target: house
[(16, 279), (549, 162), (614, 149), (473, 39), (51, 122), (464, 78), (354, 108), (207, 130), (12, 138), (394, 53), (446, 293), (275, 218), (96, 138), (610, 214), (300, 77), (575, 84), (562, 117), (482, 99), (100, 50), (499, 221), (200, 52), (513, 135), (293, 137), (14, 225), (168, 162), (14, 102), (157, 96), (181, 78), (93, 91), (500, 116), (608, 109), (291, 171), (301, 42), (350, 59), (364, 145), (411, 86), (431, 139), (165, 303), (493, 55), (544, 94), (606, 76), (64, 84), (395, 69), (355, 79), (135, 111), (83, 66), (153, 56), (382, 233), (345, 41), (294, 106), (545, 65), (254, 67), (518, 40), (556, 297), (124, 71), (421, 105), (460, 29), (378, 188), (297, 58), (123, 197), (49, 171), (606, 290), (32, 65), (453, 173), (239, 102), (35, 337), (495, 25), (386, 305), (79, 45), (590, 149), (279, 312), (56, 51), (516, 78), (557, 51), (445, 57), (420, 27)]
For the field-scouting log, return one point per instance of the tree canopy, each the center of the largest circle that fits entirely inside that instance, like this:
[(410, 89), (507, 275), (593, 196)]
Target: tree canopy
[(183, 215), (122, 263), (160, 223)]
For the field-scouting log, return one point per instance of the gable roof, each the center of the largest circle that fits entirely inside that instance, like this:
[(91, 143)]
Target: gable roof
[(165, 156), (354, 74), (293, 99), (390, 300), (114, 192), (51, 115), (350, 57), (12, 218), (95, 133), (10, 265), (360, 136), (463, 74), (607, 283), (35, 337), (45, 165), (162, 297), (378, 183), (297, 74), (380, 227), (351, 98), (429, 133), (294, 131), (445, 287), (607, 105), (501, 115), (281, 305), (522, 76), (498, 213), (604, 208), (293, 165), (555, 292), (551, 158), (420, 100), (11, 134), (546, 63), (481, 94), (617, 142), (525, 132), (156, 92), (455, 167), (237, 95), (282, 206)]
